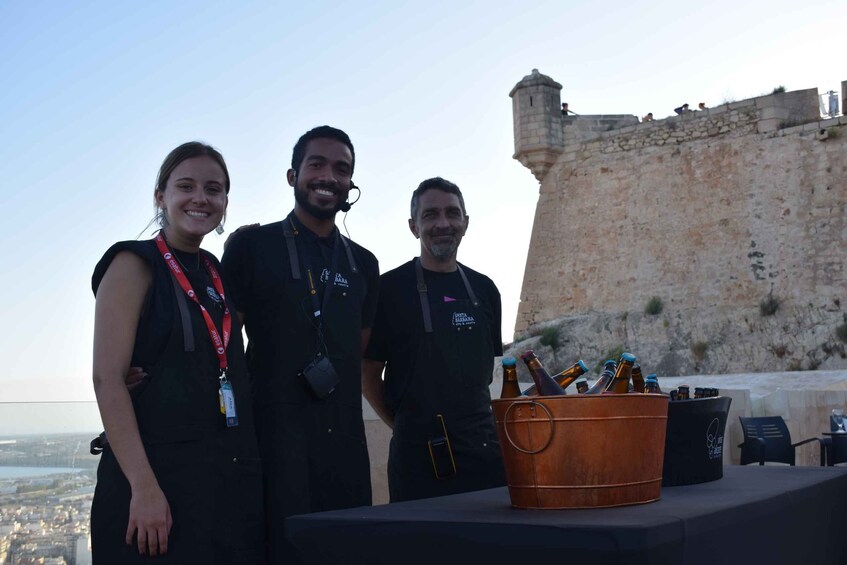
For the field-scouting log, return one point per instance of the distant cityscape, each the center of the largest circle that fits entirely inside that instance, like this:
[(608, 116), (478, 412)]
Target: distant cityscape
[(46, 487)]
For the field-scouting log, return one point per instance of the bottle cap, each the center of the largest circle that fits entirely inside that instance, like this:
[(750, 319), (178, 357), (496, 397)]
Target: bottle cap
[(582, 366), (628, 357), (509, 361), (652, 378), (527, 354), (581, 380)]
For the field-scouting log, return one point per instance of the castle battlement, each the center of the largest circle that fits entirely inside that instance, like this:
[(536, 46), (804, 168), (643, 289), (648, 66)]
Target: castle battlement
[(542, 133)]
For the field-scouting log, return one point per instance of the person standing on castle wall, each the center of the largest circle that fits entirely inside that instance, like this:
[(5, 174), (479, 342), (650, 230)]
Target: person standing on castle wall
[(565, 108), (702, 106), (436, 333), (648, 117), (682, 109)]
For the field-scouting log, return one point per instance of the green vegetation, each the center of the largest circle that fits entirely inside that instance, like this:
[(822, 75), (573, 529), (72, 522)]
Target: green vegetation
[(769, 305), (551, 337), (778, 90), (698, 349), (654, 306), (833, 133), (614, 354)]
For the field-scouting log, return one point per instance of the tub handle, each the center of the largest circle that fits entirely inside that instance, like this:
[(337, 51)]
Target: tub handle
[(532, 405)]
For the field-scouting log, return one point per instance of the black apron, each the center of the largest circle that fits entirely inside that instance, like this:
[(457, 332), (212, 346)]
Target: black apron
[(210, 474), (450, 377), (314, 451)]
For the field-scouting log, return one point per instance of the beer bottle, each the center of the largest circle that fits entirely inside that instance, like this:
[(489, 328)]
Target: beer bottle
[(620, 385), (699, 392), (565, 378), (511, 388), (544, 383), (682, 392), (651, 384), (714, 392), (606, 376), (581, 385), (572, 373), (637, 378)]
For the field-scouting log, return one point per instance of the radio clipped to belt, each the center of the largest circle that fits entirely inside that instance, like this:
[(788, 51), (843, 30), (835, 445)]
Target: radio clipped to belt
[(441, 453)]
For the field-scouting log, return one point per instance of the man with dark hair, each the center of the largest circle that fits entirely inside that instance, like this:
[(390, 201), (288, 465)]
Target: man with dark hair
[(436, 333), (307, 296)]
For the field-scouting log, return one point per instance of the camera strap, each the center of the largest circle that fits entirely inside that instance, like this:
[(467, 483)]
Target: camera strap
[(424, 296)]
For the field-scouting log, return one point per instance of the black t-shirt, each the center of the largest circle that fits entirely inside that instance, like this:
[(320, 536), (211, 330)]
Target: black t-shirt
[(398, 327), (278, 310)]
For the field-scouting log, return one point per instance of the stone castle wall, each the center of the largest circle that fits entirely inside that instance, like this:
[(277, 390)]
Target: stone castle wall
[(711, 212)]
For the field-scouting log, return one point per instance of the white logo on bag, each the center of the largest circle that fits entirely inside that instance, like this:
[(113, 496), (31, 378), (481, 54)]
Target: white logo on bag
[(714, 442), (324, 275), (168, 256), (463, 319)]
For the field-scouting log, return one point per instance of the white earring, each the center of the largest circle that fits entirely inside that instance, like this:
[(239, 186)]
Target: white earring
[(220, 229)]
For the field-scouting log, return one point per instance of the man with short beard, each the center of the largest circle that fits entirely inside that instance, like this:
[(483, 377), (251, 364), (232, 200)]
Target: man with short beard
[(436, 333), (307, 296)]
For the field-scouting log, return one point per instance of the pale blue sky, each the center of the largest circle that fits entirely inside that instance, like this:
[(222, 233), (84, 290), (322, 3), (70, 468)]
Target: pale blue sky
[(95, 94)]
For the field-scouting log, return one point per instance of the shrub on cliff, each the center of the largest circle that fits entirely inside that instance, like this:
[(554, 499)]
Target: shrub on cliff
[(654, 306)]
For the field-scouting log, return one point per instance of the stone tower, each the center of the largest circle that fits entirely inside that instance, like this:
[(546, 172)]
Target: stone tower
[(536, 108)]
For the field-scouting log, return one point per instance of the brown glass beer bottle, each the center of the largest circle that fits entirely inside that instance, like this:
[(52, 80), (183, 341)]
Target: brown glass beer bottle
[(620, 384), (606, 376), (511, 388), (572, 373), (544, 383), (637, 378), (565, 378), (651, 384)]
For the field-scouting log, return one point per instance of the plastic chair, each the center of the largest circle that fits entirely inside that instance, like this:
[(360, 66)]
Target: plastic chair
[(767, 439)]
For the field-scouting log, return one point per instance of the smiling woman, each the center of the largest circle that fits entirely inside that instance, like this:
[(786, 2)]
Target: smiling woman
[(188, 424)]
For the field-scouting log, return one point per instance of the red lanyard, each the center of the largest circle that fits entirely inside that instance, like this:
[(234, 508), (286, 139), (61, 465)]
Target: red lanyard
[(220, 344)]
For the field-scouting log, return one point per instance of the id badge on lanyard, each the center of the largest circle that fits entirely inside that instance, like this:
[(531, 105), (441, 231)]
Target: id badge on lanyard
[(227, 402)]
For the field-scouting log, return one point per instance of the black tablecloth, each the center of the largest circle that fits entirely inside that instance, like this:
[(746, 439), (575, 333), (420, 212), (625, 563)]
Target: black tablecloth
[(754, 515)]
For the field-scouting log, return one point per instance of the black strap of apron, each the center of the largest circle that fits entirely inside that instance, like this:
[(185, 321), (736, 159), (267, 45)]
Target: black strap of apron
[(424, 297), (187, 328), (293, 258), (292, 249), (290, 232)]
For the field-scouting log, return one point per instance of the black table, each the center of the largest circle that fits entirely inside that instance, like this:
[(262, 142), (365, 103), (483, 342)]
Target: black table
[(753, 515)]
